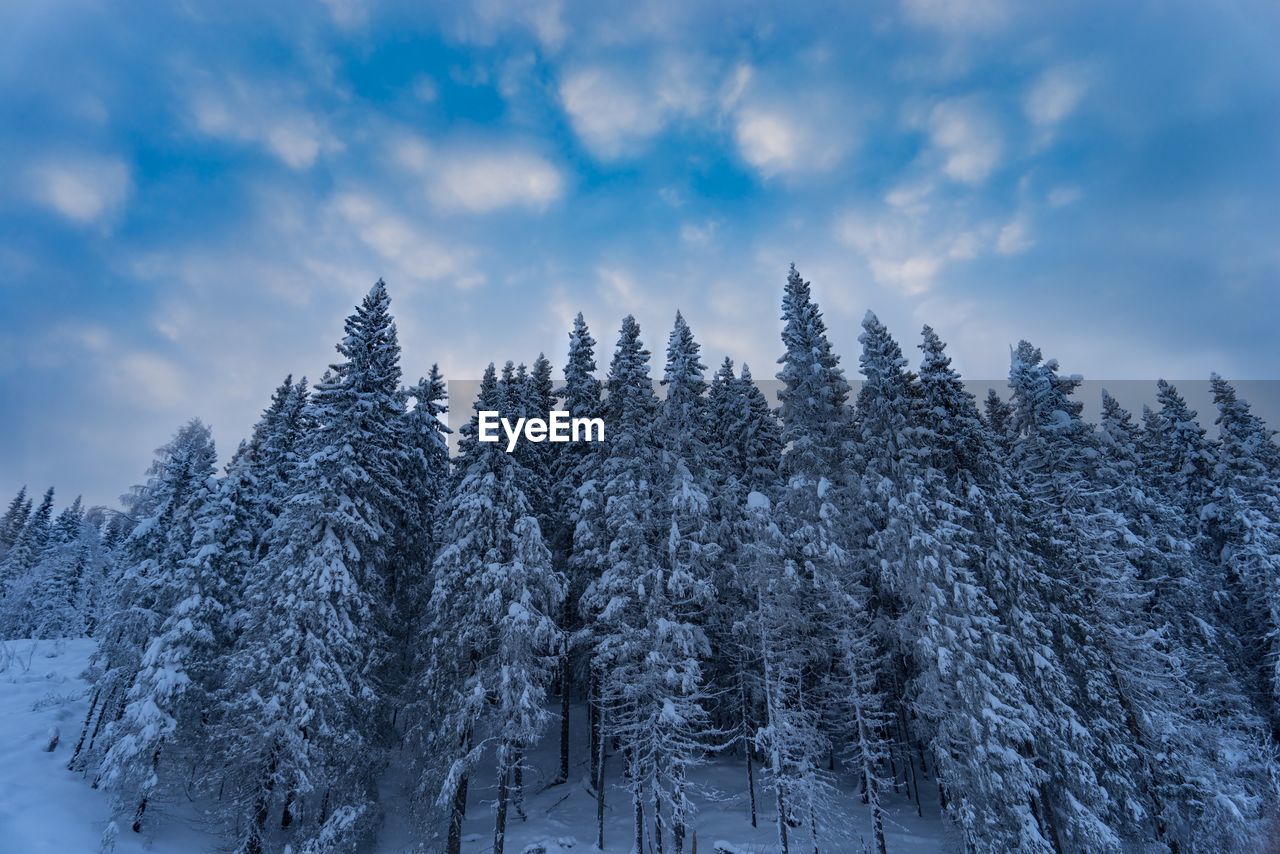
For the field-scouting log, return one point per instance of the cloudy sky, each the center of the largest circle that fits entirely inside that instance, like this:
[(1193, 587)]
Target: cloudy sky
[(193, 199)]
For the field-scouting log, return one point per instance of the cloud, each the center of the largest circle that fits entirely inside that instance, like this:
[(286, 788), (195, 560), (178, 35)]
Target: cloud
[(967, 137), (1061, 197), (143, 378), (1014, 237), (608, 112), (480, 179), (84, 188), (347, 14), (781, 133), (1053, 97), (239, 111), (614, 112), (958, 16), (149, 380), (698, 234), (416, 253), (485, 21), (487, 181), (910, 242)]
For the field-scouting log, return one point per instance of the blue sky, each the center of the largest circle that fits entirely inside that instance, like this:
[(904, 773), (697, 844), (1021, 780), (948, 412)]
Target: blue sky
[(194, 197)]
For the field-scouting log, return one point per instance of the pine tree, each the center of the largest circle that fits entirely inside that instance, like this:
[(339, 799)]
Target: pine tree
[(55, 604), (999, 418), (14, 518), (302, 687), (21, 559), (144, 588), (625, 605), (1130, 694), (493, 643), (573, 488), (1200, 743), (446, 753), (972, 700), (746, 448), (172, 688), (692, 554), (789, 736), (426, 484), (1242, 521), (829, 601)]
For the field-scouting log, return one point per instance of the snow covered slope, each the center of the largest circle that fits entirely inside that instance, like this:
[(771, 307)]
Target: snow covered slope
[(46, 808)]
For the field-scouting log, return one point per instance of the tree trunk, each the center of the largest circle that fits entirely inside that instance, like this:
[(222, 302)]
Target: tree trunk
[(658, 831), (877, 818), (746, 741), (637, 806), (566, 689), (136, 827), (593, 721), (597, 762), (517, 794), (678, 813), (286, 814), (1131, 721), (1050, 821), (84, 730), (500, 823), (458, 810), (782, 821), (262, 807)]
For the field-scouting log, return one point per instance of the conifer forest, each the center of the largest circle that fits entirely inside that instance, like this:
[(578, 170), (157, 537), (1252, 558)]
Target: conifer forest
[(737, 623)]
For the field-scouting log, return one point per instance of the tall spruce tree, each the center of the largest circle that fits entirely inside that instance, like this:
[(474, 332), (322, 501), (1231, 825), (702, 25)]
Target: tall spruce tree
[(1242, 522), (14, 518), (302, 686), (494, 641), (573, 489), (691, 556), (144, 588), (624, 605), (828, 598)]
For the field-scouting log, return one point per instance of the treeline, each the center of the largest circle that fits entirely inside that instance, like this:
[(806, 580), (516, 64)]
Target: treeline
[(1069, 628)]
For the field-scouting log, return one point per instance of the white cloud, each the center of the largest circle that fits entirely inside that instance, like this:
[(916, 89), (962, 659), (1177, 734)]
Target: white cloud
[(1055, 95), (484, 21), (768, 140), (347, 14), (779, 132), (968, 139), (1014, 237), (84, 189), (608, 112), (243, 112), (1061, 197), (615, 113), (488, 181), (698, 234), (145, 379), (416, 253), (910, 196), (618, 286), (425, 89), (958, 16), (148, 379), (472, 179), (909, 250)]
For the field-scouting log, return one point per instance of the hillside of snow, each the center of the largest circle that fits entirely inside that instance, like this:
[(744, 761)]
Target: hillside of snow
[(46, 809)]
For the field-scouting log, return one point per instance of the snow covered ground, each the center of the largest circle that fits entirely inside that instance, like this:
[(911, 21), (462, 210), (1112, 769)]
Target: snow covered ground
[(46, 808), (563, 817)]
